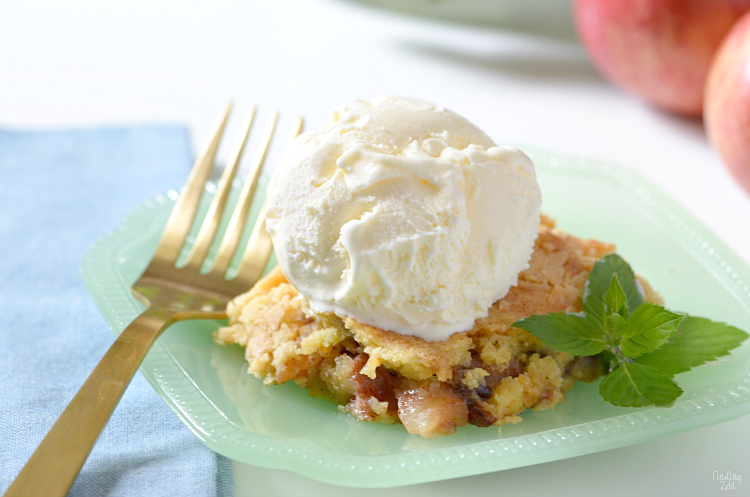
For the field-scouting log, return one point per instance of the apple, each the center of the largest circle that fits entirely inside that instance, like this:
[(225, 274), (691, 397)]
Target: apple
[(660, 50), (727, 102)]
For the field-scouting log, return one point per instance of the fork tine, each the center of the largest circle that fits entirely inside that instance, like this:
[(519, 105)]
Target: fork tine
[(257, 252), (181, 218), (237, 222), (211, 222), (259, 246)]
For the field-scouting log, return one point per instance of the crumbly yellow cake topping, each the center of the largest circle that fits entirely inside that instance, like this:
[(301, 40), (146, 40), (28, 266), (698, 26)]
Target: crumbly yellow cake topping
[(485, 376)]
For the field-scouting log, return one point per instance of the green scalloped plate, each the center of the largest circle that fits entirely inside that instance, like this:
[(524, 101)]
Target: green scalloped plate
[(282, 427)]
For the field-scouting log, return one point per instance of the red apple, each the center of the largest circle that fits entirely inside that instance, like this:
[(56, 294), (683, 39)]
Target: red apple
[(658, 49), (727, 102)]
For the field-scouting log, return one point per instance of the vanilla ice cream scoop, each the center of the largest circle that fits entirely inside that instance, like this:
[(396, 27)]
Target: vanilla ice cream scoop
[(404, 216)]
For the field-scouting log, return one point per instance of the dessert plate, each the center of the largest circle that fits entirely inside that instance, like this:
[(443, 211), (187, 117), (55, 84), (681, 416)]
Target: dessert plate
[(281, 427)]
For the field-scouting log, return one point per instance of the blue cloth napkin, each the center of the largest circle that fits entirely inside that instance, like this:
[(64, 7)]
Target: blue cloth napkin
[(59, 192)]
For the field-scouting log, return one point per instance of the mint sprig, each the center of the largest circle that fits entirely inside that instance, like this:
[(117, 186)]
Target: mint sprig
[(644, 343)]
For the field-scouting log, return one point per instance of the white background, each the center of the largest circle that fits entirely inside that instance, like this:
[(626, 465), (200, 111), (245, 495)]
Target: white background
[(521, 76)]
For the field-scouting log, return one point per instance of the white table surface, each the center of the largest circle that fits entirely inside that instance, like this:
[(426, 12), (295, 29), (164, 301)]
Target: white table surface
[(522, 77)]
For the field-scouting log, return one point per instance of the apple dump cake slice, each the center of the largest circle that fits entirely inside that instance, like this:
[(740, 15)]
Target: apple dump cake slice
[(485, 376)]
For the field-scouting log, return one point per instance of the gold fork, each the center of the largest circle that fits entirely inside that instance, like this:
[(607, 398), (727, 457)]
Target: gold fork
[(171, 294)]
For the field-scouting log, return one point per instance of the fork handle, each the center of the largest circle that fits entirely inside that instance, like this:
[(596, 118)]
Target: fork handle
[(57, 461)]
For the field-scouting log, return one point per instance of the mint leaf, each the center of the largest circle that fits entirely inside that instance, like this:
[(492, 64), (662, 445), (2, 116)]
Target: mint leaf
[(638, 385), (598, 283), (615, 314), (697, 341), (615, 300), (649, 327), (568, 332), (614, 324)]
